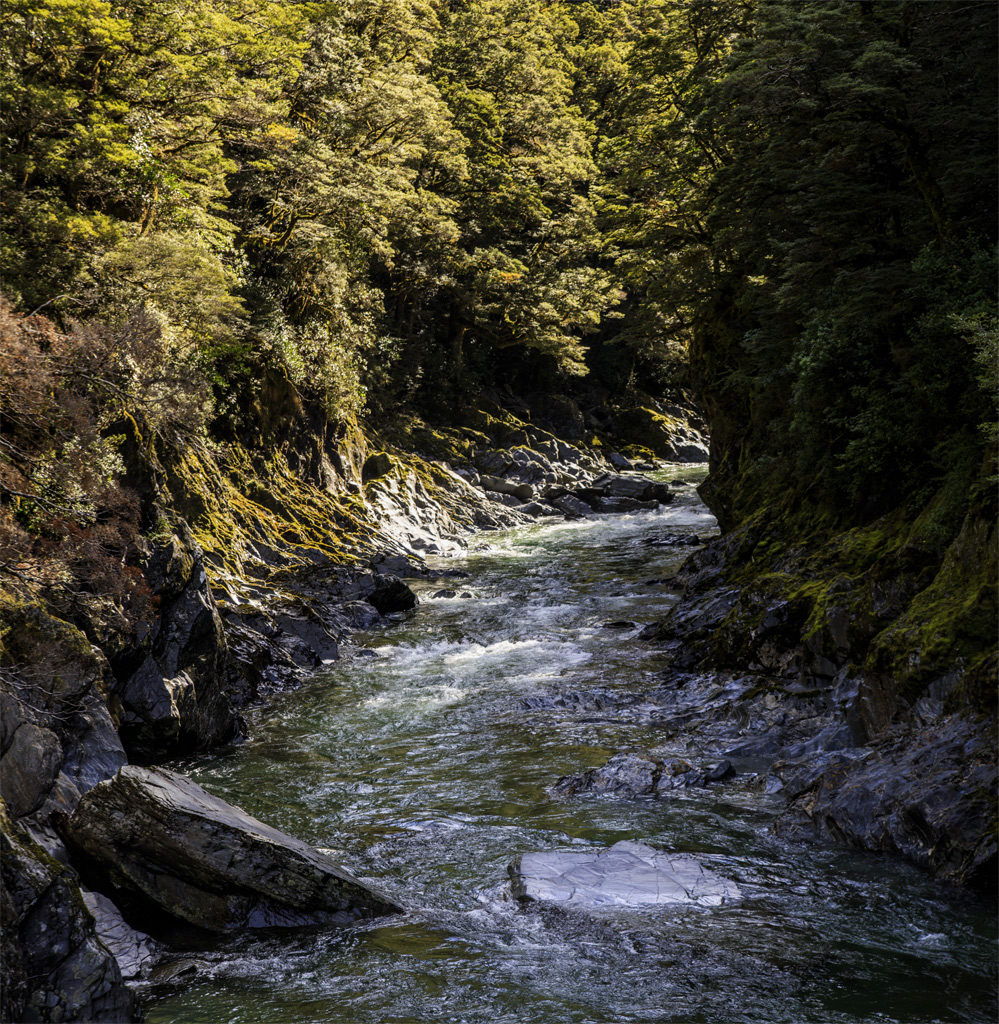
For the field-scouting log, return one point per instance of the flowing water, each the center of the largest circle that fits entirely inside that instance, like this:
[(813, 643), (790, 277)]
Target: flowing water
[(419, 765)]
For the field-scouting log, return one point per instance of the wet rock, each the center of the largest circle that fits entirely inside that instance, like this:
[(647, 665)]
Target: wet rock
[(617, 506), (619, 624), (55, 968), (174, 701), (619, 461), (628, 874), (676, 773), (571, 506), (625, 774), (523, 492), (640, 488), (718, 772), (675, 540), (632, 775), (159, 838), (928, 795), (390, 594), (361, 614), (534, 509), (446, 594)]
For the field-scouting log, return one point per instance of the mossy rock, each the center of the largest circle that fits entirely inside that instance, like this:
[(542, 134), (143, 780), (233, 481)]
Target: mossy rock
[(647, 428)]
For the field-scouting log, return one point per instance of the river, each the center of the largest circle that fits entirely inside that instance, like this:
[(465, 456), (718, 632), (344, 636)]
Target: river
[(422, 766)]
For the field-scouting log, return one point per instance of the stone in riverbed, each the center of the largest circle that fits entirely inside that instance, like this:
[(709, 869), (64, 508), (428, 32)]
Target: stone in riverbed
[(157, 837), (628, 874), (638, 775)]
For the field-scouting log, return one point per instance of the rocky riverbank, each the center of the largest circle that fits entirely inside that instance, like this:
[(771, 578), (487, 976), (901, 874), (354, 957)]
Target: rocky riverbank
[(797, 670), (813, 671), (258, 559)]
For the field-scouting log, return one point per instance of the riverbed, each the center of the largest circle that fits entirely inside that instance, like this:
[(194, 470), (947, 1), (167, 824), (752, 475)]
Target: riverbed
[(423, 763)]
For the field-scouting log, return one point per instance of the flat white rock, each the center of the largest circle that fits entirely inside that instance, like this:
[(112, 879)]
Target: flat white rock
[(628, 874)]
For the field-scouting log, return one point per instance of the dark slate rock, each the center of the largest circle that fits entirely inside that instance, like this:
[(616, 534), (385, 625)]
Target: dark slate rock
[(675, 540), (619, 624), (641, 488), (628, 874), (175, 700), (571, 506), (621, 505), (618, 461), (532, 508), (390, 594), (928, 796), (361, 614), (54, 966), (634, 775), (164, 840)]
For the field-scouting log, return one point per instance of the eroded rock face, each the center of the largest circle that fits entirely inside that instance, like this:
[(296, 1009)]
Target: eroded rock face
[(929, 796), (160, 838), (628, 874), (174, 700), (55, 966), (57, 730)]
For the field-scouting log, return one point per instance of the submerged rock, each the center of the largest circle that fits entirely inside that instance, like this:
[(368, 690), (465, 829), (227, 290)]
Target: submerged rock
[(637, 775), (675, 540), (628, 874), (157, 837)]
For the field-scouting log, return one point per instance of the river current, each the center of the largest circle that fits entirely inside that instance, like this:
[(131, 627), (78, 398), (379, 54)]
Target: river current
[(422, 766)]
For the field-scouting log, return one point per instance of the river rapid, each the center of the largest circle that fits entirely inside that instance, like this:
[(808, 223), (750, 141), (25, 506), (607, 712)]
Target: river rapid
[(422, 764)]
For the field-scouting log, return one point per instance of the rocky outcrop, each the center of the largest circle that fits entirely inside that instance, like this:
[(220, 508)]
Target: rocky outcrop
[(628, 874), (861, 667), (155, 836), (55, 966), (174, 699), (58, 733), (928, 795)]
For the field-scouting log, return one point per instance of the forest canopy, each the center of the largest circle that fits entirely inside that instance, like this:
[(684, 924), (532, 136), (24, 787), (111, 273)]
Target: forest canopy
[(790, 207)]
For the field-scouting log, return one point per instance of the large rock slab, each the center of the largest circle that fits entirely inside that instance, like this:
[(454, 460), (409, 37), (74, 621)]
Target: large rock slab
[(628, 874), (157, 836)]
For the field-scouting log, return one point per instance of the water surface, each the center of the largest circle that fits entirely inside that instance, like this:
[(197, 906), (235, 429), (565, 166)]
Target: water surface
[(421, 768)]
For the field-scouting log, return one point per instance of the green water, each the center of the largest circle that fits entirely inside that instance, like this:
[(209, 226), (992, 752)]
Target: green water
[(421, 768)]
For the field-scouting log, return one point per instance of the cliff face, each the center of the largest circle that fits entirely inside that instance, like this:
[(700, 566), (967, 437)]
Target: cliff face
[(890, 620)]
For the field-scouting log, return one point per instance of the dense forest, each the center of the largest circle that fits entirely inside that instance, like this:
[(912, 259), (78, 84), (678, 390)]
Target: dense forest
[(246, 244), (789, 207)]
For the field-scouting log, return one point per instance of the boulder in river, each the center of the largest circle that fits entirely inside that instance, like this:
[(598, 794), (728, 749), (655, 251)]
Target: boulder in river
[(639, 488), (628, 874), (158, 837), (639, 775)]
